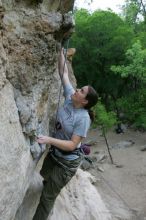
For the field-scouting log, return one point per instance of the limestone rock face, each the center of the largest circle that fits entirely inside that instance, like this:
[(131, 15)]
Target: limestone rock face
[(30, 47), (29, 82), (29, 87), (78, 200)]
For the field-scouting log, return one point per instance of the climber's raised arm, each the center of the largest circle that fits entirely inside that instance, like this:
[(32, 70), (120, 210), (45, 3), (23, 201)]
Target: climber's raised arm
[(63, 70)]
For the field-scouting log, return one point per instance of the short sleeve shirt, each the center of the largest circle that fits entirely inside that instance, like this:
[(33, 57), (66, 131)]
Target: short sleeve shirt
[(71, 121)]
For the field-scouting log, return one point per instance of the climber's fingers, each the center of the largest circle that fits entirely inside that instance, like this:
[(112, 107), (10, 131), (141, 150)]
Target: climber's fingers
[(41, 139)]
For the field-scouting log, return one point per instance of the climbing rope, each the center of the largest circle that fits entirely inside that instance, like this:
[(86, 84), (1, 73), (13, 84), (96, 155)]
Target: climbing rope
[(59, 98), (60, 89)]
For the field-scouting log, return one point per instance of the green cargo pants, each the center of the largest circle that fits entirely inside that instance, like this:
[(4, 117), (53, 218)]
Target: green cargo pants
[(56, 177)]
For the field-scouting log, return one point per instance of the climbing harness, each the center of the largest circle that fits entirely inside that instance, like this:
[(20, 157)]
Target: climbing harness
[(62, 164)]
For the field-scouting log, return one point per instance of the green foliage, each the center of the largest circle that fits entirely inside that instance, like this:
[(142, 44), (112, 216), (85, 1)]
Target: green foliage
[(101, 40), (134, 10), (107, 44), (141, 36), (130, 11), (134, 108), (136, 63), (103, 118), (133, 104)]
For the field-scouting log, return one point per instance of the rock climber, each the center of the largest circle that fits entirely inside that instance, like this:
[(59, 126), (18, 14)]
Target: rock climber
[(73, 121)]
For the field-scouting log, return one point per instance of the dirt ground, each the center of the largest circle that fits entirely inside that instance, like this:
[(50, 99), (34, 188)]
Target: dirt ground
[(123, 187)]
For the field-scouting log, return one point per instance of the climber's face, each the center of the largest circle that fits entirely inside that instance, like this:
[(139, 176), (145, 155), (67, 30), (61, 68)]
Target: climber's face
[(79, 97)]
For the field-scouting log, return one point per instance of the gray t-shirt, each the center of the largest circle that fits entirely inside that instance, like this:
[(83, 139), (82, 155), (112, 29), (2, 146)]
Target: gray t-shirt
[(71, 121)]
